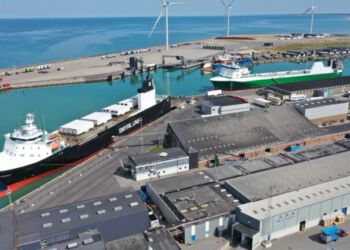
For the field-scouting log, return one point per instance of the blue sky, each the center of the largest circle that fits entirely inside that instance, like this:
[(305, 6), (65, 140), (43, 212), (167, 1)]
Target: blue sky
[(110, 8)]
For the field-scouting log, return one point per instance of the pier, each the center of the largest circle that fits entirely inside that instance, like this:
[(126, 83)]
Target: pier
[(179, 56)]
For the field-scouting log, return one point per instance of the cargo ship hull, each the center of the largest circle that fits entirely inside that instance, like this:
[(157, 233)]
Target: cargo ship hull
[(73, 154), (259, 83)]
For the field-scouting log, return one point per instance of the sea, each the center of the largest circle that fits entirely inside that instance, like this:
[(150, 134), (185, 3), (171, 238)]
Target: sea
[(30, 41)]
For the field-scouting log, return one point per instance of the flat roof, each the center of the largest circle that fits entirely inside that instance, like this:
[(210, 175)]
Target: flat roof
[(161, 239), (180, 182), (277, 181), (309, 104), (244, 131), (69, 217), (164, 155), (284, 203), (313, 84), (223, 100), (223, 172), (202, 202)]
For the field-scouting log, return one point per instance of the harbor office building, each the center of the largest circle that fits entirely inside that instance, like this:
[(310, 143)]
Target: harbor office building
[(169, 161)]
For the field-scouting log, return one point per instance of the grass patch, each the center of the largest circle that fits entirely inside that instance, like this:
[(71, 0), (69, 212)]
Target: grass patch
[(156, 149), (308, 45)]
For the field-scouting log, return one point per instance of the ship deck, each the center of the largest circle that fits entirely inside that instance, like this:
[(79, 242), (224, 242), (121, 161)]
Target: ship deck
[(73, 140)]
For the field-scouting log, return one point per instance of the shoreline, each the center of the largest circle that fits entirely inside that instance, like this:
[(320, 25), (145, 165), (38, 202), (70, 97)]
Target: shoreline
[(113, 66)]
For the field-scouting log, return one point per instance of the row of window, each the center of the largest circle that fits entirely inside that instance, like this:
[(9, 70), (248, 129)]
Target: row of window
[(85, 216), (158, 167), (23, 155), (81, 206)]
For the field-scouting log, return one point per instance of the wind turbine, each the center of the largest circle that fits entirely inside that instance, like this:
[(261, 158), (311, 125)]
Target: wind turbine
[(228, 8), (164, 11), (311, 10)]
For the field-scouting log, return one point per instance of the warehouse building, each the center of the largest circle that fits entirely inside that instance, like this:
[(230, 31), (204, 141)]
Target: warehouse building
[(324, 111), (155, 165), (248, 134), (194, 204), (223, 105), (322, 87), (276, 205), (292, 212), (110, 217)]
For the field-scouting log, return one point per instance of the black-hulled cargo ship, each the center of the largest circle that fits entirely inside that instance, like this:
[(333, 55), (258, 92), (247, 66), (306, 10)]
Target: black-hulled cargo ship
[(30, 151)]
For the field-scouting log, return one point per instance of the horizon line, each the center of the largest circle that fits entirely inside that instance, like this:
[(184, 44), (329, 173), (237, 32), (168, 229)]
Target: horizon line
[(71, 17)]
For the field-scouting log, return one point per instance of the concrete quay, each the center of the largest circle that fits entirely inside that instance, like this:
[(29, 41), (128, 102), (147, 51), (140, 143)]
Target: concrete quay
[(99, 68)]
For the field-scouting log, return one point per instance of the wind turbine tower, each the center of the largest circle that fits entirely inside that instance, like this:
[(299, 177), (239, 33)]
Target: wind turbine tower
[(311, 11), (228, 8), (164, 12)]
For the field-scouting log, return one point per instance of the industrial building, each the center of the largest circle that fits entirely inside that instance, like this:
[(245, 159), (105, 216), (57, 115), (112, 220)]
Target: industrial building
[(276, 205), (239, 135), (324, 111), (223, 105), (109, 218), (322, 87), (194, 204), (154, 165)]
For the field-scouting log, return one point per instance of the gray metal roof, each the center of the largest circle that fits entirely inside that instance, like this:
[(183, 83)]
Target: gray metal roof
[(180, 182), (243, 131), (223, 100), (164, 155), (309, 104), (291, 201), (277, 181), (158, 239), (223, 172), (78, 215)]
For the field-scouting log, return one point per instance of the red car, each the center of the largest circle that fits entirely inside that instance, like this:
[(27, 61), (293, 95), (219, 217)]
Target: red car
[(343, 233)]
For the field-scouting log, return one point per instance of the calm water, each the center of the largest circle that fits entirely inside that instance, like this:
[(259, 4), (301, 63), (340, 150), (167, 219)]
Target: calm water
[(24, 42)]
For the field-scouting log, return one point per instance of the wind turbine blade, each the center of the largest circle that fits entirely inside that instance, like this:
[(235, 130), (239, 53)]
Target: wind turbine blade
[(307, 11), (163, 1), (156, 23), (231, 3), (176, 3), (223, 3)]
